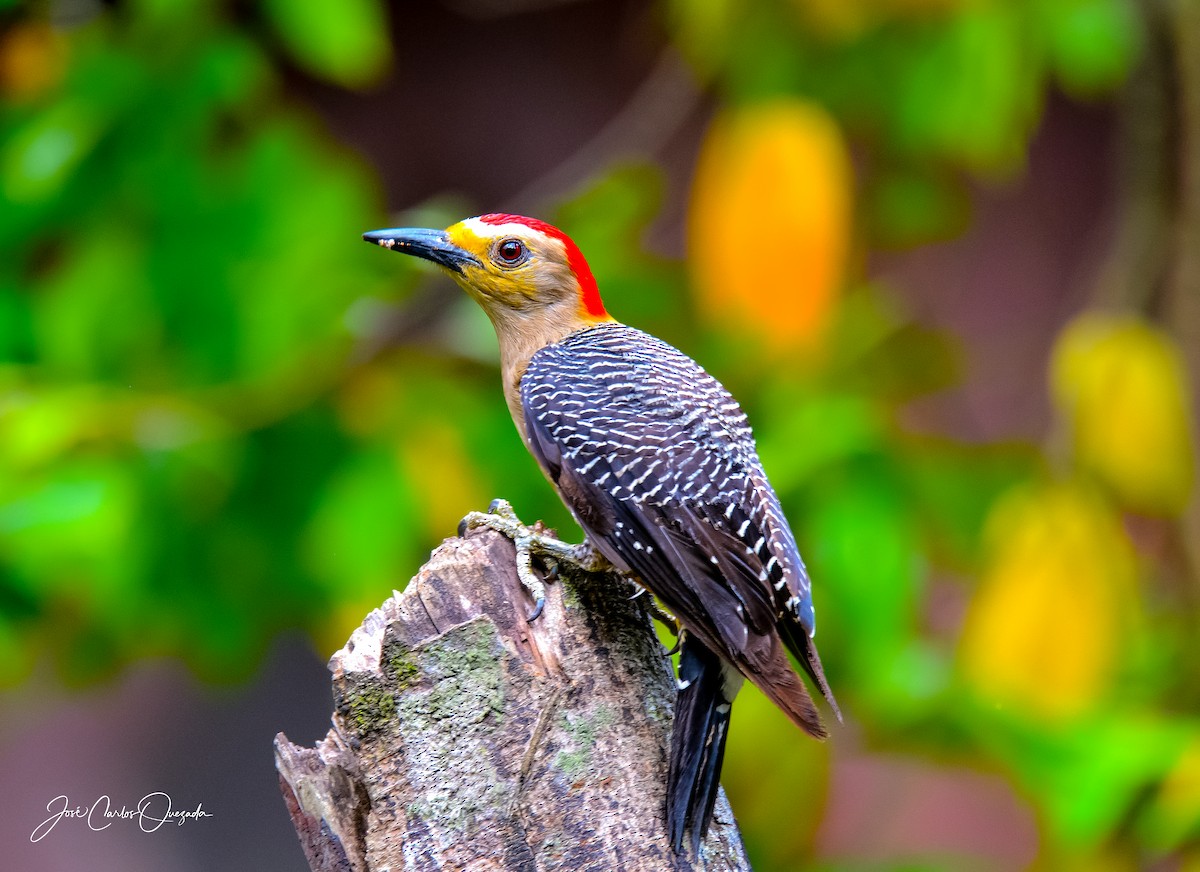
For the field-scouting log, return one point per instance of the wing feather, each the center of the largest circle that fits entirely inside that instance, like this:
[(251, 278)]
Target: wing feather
[(667, 485)]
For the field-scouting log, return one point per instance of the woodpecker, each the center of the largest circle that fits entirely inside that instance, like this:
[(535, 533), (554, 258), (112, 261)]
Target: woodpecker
[(658, 465)]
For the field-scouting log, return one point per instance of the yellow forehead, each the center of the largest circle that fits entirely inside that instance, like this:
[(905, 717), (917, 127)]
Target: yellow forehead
[(478, 237), (466, 235)]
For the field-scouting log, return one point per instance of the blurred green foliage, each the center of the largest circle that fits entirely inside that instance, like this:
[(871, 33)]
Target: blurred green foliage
[(209, 431), (176, 267)]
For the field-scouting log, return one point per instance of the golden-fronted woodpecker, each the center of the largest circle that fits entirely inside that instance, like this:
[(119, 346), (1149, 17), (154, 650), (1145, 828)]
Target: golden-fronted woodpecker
[(658, 465)]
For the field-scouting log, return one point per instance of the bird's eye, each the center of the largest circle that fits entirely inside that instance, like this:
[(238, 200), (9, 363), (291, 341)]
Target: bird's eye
[(511, 251)]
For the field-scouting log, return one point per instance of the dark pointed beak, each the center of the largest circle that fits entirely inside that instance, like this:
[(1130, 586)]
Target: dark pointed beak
[(432, 245)]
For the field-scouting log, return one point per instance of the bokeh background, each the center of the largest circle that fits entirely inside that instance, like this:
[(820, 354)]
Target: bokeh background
[(946, 252)]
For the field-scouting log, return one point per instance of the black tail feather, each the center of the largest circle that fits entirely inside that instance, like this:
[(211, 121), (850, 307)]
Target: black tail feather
[(697, 743)]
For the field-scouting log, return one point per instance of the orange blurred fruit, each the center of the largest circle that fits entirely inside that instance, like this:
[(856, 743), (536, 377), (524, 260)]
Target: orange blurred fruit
[(770, 220)]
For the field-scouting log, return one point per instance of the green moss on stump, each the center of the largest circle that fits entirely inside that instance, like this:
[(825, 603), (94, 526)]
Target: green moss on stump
[(576, 763), (400, 666), (369, 708)]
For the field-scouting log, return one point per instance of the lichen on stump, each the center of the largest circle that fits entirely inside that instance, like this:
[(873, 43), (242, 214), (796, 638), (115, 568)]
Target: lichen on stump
[(466, 737)]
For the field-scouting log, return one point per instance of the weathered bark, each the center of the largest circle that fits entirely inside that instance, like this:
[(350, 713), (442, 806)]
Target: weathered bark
[(466, 737)]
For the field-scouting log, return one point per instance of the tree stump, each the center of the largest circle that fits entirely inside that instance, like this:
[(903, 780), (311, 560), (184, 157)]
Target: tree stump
[(466, 737)]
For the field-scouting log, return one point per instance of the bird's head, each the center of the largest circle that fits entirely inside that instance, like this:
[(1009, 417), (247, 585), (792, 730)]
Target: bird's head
[(516, 268)]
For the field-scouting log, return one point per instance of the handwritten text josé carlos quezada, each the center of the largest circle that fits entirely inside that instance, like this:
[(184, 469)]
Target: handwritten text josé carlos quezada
[(152, 811)]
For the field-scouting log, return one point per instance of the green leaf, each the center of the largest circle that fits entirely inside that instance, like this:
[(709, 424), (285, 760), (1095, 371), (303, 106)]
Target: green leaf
[(346, 42), (69, 533), (1093, 43), (910, 361), (916, 205), (953, 488), (92, 316), (39, 157), (363, 526), (1173, 818), (805, 433), (971, 93), (863, 557), (701, 29), (1089, 780)]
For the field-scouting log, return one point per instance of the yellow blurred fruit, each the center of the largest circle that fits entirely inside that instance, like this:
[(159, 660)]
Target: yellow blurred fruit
[(769, 223), (1045, 628), (1122, 388)]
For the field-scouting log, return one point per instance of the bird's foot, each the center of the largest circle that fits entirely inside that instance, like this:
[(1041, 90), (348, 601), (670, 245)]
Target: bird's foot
[(529, 541), (674, 649), (656, 611)]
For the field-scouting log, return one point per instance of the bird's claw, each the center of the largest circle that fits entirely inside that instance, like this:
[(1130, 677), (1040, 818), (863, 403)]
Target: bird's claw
[(674, 649), (528, 541), (657, 612), (665, 618), (533, 584), (499, 517)]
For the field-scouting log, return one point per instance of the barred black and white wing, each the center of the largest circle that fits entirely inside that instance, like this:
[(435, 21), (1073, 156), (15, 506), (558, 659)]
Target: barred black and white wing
[(658, 464)]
